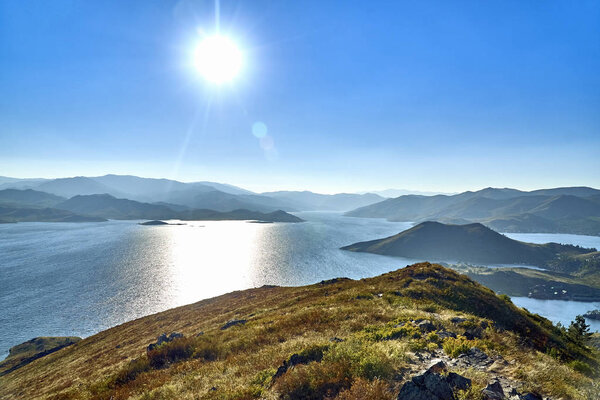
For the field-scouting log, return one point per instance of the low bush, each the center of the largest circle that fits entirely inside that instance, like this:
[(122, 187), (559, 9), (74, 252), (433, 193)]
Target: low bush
[(454, 347)]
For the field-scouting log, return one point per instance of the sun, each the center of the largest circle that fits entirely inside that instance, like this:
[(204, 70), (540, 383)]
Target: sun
[(218, 59)]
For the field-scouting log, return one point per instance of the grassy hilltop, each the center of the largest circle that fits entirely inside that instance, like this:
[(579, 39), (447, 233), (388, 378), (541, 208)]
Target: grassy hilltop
[(338, 339)]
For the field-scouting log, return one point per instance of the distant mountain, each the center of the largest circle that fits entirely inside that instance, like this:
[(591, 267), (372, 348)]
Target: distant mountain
[(21, 214), (28, 198), (309, 201), (211, 215), (80, 185), (561, 210), (107, 206), (390, 193), (472, 243), (221, 201)]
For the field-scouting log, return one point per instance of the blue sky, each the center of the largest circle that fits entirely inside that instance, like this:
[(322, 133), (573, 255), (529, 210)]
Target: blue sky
[(443, 96)]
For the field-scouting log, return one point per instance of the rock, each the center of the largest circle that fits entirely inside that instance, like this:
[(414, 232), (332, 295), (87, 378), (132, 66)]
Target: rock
[(336, 339), (458, 320), (493, 391), (458, 382), (296, 359), (438, 366), (163, 338), (498, 365), (426, 326), (473, 333), (233, 322), (532, 396), (445, 334), (432, 385), (475, 357)]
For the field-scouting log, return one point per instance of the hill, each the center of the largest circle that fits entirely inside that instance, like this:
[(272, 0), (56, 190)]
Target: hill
[(28, 198), (241, 215), (560, 210), (338, 339), (107, 206), (310, 201), (473, 243), (20, 214)]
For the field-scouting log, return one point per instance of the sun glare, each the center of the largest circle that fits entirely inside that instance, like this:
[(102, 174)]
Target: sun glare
[(218, 59)]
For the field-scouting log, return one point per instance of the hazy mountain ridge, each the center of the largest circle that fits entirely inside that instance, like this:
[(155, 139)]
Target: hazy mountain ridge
[(198, 195), (560, 210)]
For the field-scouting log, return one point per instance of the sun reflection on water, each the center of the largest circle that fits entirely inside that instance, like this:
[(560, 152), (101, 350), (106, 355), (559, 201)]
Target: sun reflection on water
[(208, 258)]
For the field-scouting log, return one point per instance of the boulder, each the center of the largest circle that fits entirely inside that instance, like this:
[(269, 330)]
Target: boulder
[(532, 396), (426, 326), (473, 333), (443, 334), (163, 338), (493, 391), (432, 385), (233, 322)]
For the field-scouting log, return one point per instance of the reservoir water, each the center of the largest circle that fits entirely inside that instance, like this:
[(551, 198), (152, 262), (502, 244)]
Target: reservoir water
[(59, 279)]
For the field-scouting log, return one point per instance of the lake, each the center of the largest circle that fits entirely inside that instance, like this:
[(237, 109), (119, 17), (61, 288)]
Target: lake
[(60, 279)]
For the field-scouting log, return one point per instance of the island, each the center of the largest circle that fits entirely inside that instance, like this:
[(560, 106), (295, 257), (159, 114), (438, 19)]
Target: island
[(593, 314), (470, 243)]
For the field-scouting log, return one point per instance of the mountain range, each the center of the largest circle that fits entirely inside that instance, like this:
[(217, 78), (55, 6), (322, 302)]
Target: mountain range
[(194, 195), (559, 210)]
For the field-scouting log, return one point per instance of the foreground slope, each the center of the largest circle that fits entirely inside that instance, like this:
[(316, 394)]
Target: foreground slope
[(351, 339)]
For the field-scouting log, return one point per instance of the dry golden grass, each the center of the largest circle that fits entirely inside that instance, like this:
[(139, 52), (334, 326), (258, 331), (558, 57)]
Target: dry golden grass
[(239, 363)]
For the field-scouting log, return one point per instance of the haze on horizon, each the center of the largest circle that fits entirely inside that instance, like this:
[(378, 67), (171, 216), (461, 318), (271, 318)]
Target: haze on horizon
[(429, 96)]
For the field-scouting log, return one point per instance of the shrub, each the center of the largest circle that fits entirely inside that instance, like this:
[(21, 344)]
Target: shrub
[(362, 360), (391, 331), (314, 381), (131, 371), (582, 367), (454, 347), (170, 352), (362, 389)]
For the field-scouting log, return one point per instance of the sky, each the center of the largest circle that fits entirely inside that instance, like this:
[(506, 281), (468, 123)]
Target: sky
[(347, 96)]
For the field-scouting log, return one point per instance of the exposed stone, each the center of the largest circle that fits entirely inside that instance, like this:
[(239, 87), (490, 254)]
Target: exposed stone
[(336, 339), (493, 391), (475, 357), (532, 396), (233, 322), (458, 320), (426, 326), (431, 385), (443, 334), (473, 333), (163, 338)]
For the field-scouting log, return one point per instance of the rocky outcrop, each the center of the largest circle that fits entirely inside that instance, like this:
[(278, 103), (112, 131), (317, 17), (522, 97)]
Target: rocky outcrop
[(163, 338), (434, 385), (233, 322)]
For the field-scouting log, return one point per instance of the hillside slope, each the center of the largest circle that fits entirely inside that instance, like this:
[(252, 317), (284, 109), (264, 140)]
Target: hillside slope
[(341, 339), (467, 243)]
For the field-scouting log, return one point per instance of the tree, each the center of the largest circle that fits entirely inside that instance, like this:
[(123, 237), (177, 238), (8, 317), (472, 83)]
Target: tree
[(579, 331)]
